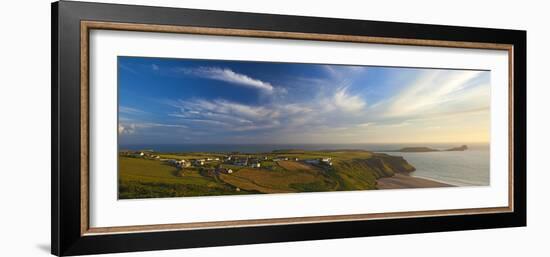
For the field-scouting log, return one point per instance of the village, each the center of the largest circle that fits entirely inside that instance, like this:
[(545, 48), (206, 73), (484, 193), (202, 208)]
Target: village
[(225, 164)]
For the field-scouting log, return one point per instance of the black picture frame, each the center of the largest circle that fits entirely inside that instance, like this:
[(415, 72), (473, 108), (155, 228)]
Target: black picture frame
[(66, 234)]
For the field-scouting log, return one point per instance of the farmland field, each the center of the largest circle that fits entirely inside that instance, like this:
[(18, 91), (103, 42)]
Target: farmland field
[(140, 178), (154, 175)]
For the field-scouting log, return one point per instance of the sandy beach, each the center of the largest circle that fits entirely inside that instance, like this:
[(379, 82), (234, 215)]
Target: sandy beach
[(400, 181)]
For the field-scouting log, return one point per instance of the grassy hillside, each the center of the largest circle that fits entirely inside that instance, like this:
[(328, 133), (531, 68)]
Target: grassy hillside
[(350, 170), (292, 177), (140, 178), (361, 173)]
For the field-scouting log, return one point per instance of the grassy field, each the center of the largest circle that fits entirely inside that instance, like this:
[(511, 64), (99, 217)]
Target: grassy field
[(141, 178), (287, 180), (351, 170)]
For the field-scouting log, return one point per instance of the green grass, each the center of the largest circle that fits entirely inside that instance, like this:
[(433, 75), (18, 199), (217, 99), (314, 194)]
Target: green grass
[(351, 170), (281, 177), (141, 178), (316, 186), (267, 164), (230, 166)]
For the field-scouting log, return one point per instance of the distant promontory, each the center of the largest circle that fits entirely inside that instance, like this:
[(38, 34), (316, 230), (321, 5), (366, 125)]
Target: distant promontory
[(423, 149)]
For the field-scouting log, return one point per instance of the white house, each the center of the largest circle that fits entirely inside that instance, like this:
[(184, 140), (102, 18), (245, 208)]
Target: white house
[(183, 163), (198, 162), (328, 159), (255, 165)]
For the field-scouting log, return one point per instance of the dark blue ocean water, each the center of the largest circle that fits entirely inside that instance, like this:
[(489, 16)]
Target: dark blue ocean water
[(460, 168)]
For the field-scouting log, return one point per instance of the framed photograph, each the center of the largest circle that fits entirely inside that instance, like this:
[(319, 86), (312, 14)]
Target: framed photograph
[(177, 128)]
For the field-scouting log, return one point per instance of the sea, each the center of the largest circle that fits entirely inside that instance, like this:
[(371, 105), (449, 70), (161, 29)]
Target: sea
[(459, 168)]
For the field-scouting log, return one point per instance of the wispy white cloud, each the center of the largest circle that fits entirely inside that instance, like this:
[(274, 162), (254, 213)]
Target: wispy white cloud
[(127, 68), (128, 127), (342, 71), (130, 110), (155, 67), (366, 124), (320, 112), (228, 75), (225, 115), (224, 107), (347, 102), (437, 92)]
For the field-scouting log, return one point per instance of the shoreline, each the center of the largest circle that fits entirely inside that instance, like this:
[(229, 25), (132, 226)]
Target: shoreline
[(401, 181)]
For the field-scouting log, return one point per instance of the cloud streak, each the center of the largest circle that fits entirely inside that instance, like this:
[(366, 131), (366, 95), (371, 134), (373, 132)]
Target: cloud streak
[(436, 92), (228, 75), (130, 110), (278, 120), (226, 115), (129, 127), (344, 100)]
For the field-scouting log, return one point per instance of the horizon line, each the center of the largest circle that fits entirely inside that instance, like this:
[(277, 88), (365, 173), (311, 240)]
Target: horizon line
[(479, 142)]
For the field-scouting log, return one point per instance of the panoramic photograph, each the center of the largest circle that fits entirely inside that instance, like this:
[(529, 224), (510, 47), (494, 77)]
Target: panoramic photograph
[(194, 127)]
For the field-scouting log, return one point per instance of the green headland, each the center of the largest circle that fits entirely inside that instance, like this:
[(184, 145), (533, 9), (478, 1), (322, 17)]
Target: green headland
[(149, 174)]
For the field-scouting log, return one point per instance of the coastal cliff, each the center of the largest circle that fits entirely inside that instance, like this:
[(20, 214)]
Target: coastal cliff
[(362, 173), (379, 171)]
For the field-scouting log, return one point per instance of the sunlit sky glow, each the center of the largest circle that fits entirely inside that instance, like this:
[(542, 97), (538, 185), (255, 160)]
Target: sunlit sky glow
[(180, 101)]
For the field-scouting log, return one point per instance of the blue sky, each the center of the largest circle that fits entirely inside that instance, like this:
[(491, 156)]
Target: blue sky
[(178, 101)]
